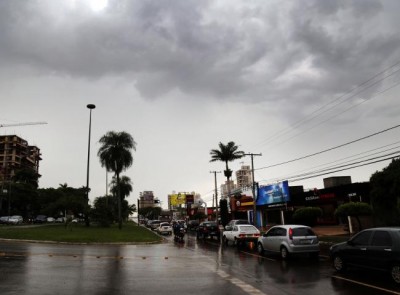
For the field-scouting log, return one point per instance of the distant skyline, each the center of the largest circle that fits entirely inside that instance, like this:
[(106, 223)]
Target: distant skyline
[(285, 79)]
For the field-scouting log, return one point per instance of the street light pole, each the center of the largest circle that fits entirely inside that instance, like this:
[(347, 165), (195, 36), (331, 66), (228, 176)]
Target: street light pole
[(253, 187), (90, 107)]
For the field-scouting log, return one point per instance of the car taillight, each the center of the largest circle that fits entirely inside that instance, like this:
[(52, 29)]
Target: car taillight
[(256, 235), (290, 233), (242, 235)]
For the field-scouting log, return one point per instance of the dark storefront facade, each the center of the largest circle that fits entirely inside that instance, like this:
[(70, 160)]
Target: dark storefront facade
[(280, 211)]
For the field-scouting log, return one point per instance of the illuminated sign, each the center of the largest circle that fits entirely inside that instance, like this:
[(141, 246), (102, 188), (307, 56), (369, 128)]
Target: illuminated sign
[(275, 193)]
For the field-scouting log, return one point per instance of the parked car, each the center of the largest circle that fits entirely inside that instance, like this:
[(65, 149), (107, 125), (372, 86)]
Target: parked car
[(192, 225), (40, 219), (376, 249), (240, 234), (4, 219), (15, 219), (288, 240), (51, 219), (208, 229), (60, 220), (165, 228)]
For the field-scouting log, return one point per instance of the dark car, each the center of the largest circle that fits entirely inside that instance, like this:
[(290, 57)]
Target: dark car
[(373, 249), (192, 225), (208, 229), (40, 219)]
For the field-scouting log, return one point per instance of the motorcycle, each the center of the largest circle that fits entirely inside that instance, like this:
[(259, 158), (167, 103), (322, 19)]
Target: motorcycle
[(179, 235)]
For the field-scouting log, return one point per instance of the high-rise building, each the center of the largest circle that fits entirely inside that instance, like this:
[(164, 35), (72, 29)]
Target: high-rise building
[(243, 177), (16, 154), (147, 199)]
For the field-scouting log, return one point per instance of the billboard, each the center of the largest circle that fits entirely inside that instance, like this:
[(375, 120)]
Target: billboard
[(274, 193), (178, 199)]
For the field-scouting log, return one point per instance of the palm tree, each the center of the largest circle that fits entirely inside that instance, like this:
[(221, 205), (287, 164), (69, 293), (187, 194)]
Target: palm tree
[(115, 155), (125, 186), (226, 153)]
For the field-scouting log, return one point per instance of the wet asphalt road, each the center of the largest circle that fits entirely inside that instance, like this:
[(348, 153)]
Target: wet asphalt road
[(195, 267)]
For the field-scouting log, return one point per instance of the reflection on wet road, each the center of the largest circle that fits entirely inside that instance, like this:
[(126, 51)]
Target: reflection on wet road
[(195, 267)]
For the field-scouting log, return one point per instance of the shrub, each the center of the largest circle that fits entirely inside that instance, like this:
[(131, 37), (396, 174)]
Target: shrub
[(307, 216), (353, 209)]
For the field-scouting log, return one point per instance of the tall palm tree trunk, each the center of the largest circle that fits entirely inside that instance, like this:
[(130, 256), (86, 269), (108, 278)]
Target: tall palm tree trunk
[(119, 203)]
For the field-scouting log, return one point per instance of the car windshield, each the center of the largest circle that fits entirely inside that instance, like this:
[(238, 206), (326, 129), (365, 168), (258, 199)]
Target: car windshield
[(303, 231), (210, 224)]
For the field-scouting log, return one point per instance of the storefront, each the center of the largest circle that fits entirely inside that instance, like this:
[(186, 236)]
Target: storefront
[(329, 199), (277, 203)]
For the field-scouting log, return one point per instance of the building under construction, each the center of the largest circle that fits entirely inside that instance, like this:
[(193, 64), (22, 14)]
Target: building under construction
[(17, 154)]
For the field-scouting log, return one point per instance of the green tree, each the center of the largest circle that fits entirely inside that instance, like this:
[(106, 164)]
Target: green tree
[(354, 210), (385, 194), (226, 153), (150, 212), (307, 216), (115, 155), (125, 186), (102, 212), (27, 176)]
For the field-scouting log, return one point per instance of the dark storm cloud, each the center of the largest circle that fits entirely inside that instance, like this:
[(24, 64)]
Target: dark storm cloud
[(252, 50)]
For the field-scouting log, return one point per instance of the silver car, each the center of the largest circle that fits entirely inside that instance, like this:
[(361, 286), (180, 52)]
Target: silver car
[(289, 239)]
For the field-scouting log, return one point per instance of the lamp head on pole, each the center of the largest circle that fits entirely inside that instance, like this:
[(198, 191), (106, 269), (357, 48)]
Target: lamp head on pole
[(91, 106)]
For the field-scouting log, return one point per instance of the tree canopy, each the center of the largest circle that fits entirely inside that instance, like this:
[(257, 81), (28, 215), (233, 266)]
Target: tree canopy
[(385, 194), (226, 153), (116, 156)]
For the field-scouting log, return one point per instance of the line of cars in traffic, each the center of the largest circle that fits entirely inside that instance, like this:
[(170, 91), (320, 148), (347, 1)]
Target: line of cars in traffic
[(374, 249)]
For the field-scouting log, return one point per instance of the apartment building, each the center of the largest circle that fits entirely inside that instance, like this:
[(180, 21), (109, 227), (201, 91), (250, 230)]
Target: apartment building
[(243, 177), (16, 154)]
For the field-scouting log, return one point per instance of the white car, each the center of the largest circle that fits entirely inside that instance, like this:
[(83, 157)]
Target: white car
[(51, 219), (240, 233), (164, 229), (15, 219), (289, 239)]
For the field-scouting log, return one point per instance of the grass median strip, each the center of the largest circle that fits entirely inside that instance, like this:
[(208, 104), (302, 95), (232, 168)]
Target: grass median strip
[(79, 233)]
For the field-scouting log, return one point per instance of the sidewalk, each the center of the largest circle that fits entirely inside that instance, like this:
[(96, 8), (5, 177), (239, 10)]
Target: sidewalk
[(330, 230)]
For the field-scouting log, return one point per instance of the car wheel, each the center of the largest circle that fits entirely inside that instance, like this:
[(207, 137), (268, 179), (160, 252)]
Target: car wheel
[(284, 252), (260, 249), (339, 264), (225, 240), (395, 271)]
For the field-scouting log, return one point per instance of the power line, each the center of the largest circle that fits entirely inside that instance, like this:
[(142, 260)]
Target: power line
[(330, 149), (325, 165), (378, 161), (345, 165)]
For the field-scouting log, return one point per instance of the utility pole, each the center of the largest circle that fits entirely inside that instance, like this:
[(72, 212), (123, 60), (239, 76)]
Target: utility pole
[(216, 194), (253, 187)]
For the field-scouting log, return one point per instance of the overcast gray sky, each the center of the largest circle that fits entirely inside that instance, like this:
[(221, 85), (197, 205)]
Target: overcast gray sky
[(282, 78)]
